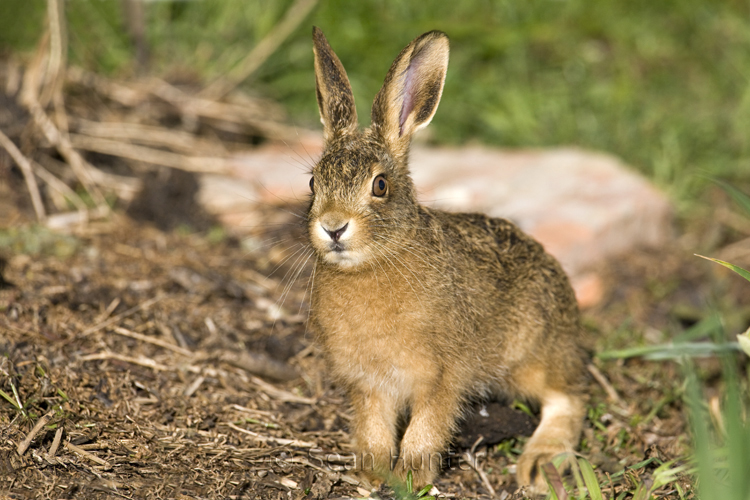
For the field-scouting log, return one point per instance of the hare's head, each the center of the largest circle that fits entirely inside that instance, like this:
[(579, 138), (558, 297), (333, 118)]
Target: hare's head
[(363, 205)]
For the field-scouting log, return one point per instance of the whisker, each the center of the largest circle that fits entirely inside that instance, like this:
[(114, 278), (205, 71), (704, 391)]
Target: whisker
[(297, 269), (286, 259), (312, 290), (395, 256), (399, 271)]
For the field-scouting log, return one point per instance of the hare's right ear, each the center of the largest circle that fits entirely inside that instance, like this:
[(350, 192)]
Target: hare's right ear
[(411, 91), (335, 98)]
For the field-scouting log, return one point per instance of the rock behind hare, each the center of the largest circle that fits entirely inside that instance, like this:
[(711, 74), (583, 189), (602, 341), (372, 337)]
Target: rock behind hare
[(420, 310)]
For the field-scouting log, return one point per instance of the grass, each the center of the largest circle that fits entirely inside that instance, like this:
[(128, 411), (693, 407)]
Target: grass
[(665, 85)]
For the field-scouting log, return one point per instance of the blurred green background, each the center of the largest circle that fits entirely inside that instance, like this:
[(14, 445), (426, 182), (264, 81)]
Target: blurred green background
[(663, 84)]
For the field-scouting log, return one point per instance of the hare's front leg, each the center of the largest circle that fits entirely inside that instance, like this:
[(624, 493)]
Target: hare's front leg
[(433, 420), (374, 429)]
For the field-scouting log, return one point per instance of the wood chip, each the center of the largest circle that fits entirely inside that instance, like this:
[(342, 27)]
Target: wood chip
[(55, 442)]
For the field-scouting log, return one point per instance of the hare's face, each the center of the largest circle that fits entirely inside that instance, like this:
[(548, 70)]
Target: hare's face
[(363, 208), (360, 206)]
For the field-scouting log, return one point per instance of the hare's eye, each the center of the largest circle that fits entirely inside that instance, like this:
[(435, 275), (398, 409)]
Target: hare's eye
[(379, 186), (312, 184)]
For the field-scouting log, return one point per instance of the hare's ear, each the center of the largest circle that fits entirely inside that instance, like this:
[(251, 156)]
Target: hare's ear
[(335, 98), (411, 91)]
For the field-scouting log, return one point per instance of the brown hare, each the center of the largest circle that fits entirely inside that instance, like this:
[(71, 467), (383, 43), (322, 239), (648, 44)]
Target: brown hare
[(418, 310)]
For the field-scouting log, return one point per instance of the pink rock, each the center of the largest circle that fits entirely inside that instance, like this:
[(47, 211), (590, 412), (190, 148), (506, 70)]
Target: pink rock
[(584, 207)]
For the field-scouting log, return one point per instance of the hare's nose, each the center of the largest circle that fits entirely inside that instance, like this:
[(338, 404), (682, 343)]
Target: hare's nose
[(336, 233)]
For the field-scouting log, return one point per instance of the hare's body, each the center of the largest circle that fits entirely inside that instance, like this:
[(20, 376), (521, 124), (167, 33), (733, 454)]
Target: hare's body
[(420, 310)]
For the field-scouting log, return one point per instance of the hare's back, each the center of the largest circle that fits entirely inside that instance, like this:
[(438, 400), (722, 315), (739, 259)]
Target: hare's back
[(490, 240), (503, 258)]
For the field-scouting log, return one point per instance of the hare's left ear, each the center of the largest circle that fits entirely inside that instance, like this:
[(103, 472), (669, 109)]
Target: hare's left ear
[(335, 98), (411, 92)]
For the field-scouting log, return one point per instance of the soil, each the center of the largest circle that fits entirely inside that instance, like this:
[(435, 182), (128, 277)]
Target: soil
[(178, 364)]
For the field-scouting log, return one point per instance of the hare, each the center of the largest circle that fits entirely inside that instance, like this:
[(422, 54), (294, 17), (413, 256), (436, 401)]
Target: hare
[(419, 310)]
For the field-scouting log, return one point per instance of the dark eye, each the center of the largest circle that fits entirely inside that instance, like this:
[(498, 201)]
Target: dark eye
[(312, 184), (379, 186)]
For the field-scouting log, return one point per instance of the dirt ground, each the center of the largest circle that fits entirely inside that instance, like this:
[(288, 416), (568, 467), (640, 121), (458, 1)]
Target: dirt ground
[(169, 363)]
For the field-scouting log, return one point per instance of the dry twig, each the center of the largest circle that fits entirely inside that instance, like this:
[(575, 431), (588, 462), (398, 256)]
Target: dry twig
[(270, 439), (141, 360), (86, 454), (43, 420), (280, 394), (599, 377), (471, 458), (25, 165), (144, 338), (259, 364), (150, 155)]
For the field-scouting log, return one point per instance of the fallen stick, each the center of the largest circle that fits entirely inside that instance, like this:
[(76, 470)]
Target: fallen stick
[(471, 458), (611, 391), (25, 165), (280, 394), (271, 439), (145, 338), (43, 420), (176, 140), (153, 156), (59, 186), (86, 454), (141, 361), (81, 168), (118, 92), (55, 71), (259, 364)]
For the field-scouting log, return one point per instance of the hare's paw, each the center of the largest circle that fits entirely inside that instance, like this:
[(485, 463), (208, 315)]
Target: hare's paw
[(424, 468), (528, 469)]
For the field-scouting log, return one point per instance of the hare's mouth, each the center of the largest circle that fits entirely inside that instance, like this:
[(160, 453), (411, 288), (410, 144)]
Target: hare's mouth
[(339, 255)]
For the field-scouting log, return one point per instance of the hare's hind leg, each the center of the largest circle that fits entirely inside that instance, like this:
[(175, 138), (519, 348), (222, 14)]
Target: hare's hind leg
[(558, 432)]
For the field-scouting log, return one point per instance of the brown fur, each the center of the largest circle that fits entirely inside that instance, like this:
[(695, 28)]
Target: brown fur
[(420, 310)]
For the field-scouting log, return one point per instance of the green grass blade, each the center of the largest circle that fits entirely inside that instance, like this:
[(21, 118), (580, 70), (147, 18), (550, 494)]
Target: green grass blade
[(708, 486), (702, 329), (737, 269), (738, 196), (424, 491), (671, 350), (10, 399), (590, 480)]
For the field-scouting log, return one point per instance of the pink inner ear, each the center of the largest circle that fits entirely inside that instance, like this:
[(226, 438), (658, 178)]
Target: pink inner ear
[(409, 90)]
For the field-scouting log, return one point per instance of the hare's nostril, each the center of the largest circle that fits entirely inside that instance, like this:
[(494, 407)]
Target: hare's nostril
[(336, 233)]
